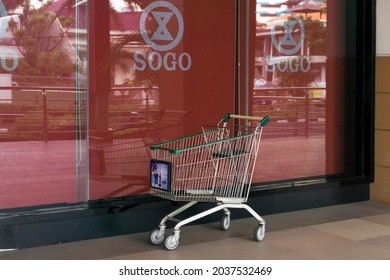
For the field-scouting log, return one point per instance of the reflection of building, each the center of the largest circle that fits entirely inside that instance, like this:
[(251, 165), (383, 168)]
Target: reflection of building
[(280, 37), (269, 9), (268, 60)]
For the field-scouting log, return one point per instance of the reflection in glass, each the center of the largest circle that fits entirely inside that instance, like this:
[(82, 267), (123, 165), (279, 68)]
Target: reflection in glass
[(167, 66), (42, 103), (290, 86)]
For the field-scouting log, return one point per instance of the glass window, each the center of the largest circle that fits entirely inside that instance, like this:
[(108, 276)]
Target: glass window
[(305, 73), (159, 70), (42, 103), (172, 66), (289, 84)]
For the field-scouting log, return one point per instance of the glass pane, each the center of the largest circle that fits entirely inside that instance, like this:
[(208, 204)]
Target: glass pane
[(172, 71), (297, 46), (42, 103)]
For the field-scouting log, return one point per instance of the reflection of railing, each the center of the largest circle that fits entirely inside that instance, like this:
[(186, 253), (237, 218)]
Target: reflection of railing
[(129, 105), (292, 115), (44, 113)]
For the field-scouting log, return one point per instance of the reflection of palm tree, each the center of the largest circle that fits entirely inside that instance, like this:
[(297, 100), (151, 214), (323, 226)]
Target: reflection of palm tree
[(118, 55), (39, 39), (117, 52)]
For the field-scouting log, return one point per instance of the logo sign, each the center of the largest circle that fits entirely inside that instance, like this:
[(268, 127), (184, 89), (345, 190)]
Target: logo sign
[(3, 29), (162, 39), (288, 45), (162, 33)]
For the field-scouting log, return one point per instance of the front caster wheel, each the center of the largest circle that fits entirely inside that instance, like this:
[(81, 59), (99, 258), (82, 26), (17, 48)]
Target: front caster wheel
[(171, 242), (259, 232), (225, 222), (155, 236)]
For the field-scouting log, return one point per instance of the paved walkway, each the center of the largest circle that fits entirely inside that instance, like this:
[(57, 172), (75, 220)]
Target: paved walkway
[(355, 231)]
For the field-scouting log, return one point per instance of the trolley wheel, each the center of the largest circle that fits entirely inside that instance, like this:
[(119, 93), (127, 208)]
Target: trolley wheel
[(155, 238), (259, 232), (171, 242), (225, 222)]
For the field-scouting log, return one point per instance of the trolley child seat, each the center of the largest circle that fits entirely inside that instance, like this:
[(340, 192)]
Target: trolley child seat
[(216, 165)]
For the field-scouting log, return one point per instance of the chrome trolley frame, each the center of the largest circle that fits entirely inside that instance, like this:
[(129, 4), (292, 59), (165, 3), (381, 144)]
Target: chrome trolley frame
[(216, 165)]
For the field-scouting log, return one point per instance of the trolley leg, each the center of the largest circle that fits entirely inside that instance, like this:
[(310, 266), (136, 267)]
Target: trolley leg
[(253, 213), (226, 210), (157, 235), (171, 215), (172, 241), (259, 231), (198, 216)]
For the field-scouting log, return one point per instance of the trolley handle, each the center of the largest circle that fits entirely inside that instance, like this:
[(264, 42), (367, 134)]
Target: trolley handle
[(263, 120)]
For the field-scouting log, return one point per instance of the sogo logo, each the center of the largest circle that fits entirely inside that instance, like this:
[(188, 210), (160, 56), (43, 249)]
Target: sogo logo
[(162, 40), (288, 46), (288, 39)]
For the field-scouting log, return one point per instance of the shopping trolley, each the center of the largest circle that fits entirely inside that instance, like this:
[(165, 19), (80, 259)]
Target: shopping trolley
[(215, 165)]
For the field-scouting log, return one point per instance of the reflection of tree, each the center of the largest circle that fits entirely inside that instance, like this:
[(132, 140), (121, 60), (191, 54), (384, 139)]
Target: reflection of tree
[(315, 34), (147, 78), (38, 35), (292, 78), (119, 55)]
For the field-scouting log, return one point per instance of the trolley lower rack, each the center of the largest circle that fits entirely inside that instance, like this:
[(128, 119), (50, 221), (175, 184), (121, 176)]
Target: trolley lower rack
[(213, 166)]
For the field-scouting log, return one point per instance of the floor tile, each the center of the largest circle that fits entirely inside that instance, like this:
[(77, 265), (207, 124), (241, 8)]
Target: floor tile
[(383, 219), (354, 229), (322, 245), (382, 242)]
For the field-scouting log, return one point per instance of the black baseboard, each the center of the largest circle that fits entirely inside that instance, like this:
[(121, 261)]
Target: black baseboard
[(125, 216)]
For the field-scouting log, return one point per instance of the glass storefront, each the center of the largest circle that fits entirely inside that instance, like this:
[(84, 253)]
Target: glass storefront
[(87, 86), (42, 103), (173, 70)]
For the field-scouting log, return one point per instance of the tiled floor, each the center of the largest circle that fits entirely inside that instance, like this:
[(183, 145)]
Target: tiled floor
[(350, 231)]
